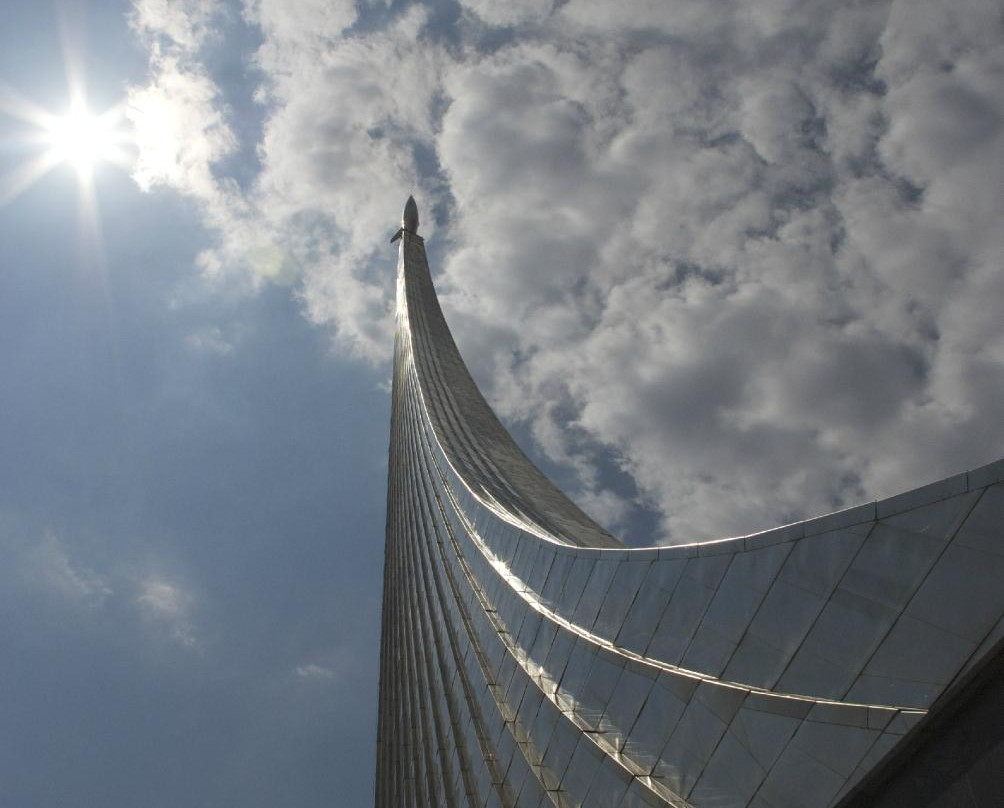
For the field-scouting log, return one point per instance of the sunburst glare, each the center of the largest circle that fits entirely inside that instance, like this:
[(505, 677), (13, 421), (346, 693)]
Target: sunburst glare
[(78, 138), (83, 140)]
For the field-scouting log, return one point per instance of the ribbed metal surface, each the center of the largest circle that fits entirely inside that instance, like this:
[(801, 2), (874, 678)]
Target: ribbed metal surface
[(528, 659)]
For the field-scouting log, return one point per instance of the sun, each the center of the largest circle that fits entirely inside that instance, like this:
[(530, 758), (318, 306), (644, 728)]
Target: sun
[(83, 140), (77, 138)]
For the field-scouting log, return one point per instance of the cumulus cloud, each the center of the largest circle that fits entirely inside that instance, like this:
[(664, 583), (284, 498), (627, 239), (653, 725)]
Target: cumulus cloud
[(747, 253), (339, 155), (180, 132), (344, 117), (751, 270), (307, 24), (184, 24)]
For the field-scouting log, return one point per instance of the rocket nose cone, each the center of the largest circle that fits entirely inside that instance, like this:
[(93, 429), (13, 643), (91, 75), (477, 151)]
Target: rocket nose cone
[(409, 221)]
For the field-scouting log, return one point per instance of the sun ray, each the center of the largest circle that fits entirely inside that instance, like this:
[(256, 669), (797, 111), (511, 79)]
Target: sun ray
[(15, 105), (79, 138), (22, 178), (91, 241)]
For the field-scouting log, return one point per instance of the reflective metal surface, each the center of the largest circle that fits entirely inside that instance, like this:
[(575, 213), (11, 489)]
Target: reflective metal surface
[(528, 659)]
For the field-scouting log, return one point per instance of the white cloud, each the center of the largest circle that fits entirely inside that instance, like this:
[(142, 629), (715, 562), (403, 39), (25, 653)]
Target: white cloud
[(209, 340), (313, 672), (342, 117), (307, 23), (168, 607), (182, 133), (184, 24), (180, 130), (749, 252), (757, 326), (338, 157), (50, 564)]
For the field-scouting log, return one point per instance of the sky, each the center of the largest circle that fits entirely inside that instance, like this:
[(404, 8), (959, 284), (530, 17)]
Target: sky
[(718, 266)]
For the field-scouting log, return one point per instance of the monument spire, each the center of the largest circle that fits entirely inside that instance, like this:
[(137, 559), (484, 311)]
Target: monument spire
[(409, 219)]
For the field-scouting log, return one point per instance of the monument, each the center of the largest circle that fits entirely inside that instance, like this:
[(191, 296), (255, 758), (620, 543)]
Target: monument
[(529, 659)]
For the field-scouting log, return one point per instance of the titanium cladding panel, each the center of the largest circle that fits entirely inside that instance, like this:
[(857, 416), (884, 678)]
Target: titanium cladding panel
[(528, 659)]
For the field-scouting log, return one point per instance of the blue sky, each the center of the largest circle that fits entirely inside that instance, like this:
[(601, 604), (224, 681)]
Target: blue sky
[(718, 266), (191, 530)]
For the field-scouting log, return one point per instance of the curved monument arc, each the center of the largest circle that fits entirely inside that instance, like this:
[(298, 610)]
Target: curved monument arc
[(798, 637)]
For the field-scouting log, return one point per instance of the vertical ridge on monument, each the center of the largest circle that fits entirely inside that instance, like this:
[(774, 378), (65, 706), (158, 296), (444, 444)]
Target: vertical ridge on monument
[(529, 659)]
